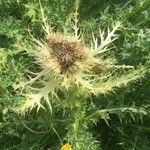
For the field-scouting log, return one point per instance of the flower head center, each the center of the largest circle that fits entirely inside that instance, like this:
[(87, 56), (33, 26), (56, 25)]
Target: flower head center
[(68, 52)]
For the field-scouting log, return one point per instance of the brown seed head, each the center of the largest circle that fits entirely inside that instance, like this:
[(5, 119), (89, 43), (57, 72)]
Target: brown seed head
[(68, 52)]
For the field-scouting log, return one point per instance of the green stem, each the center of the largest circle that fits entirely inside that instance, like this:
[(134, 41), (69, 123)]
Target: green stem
[(76, 126), (75, 130)]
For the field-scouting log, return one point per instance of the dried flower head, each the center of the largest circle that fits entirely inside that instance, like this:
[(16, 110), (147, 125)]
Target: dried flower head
[(68, 53), (67, 63)]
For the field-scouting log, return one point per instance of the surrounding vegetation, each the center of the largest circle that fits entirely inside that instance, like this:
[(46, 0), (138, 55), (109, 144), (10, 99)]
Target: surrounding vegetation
[(74, 75)]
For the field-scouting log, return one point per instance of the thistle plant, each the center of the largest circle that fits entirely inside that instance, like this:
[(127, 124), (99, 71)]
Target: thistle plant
[(71, 73)]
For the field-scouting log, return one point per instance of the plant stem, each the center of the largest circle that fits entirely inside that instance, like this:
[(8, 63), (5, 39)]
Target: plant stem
[(76, 127), (75, 130)]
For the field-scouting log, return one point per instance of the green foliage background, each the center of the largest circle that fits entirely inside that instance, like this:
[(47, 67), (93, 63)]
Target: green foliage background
[(116, 128)]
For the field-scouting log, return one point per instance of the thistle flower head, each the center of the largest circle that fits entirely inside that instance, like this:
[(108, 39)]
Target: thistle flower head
[(67, 52), (67, 62)]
